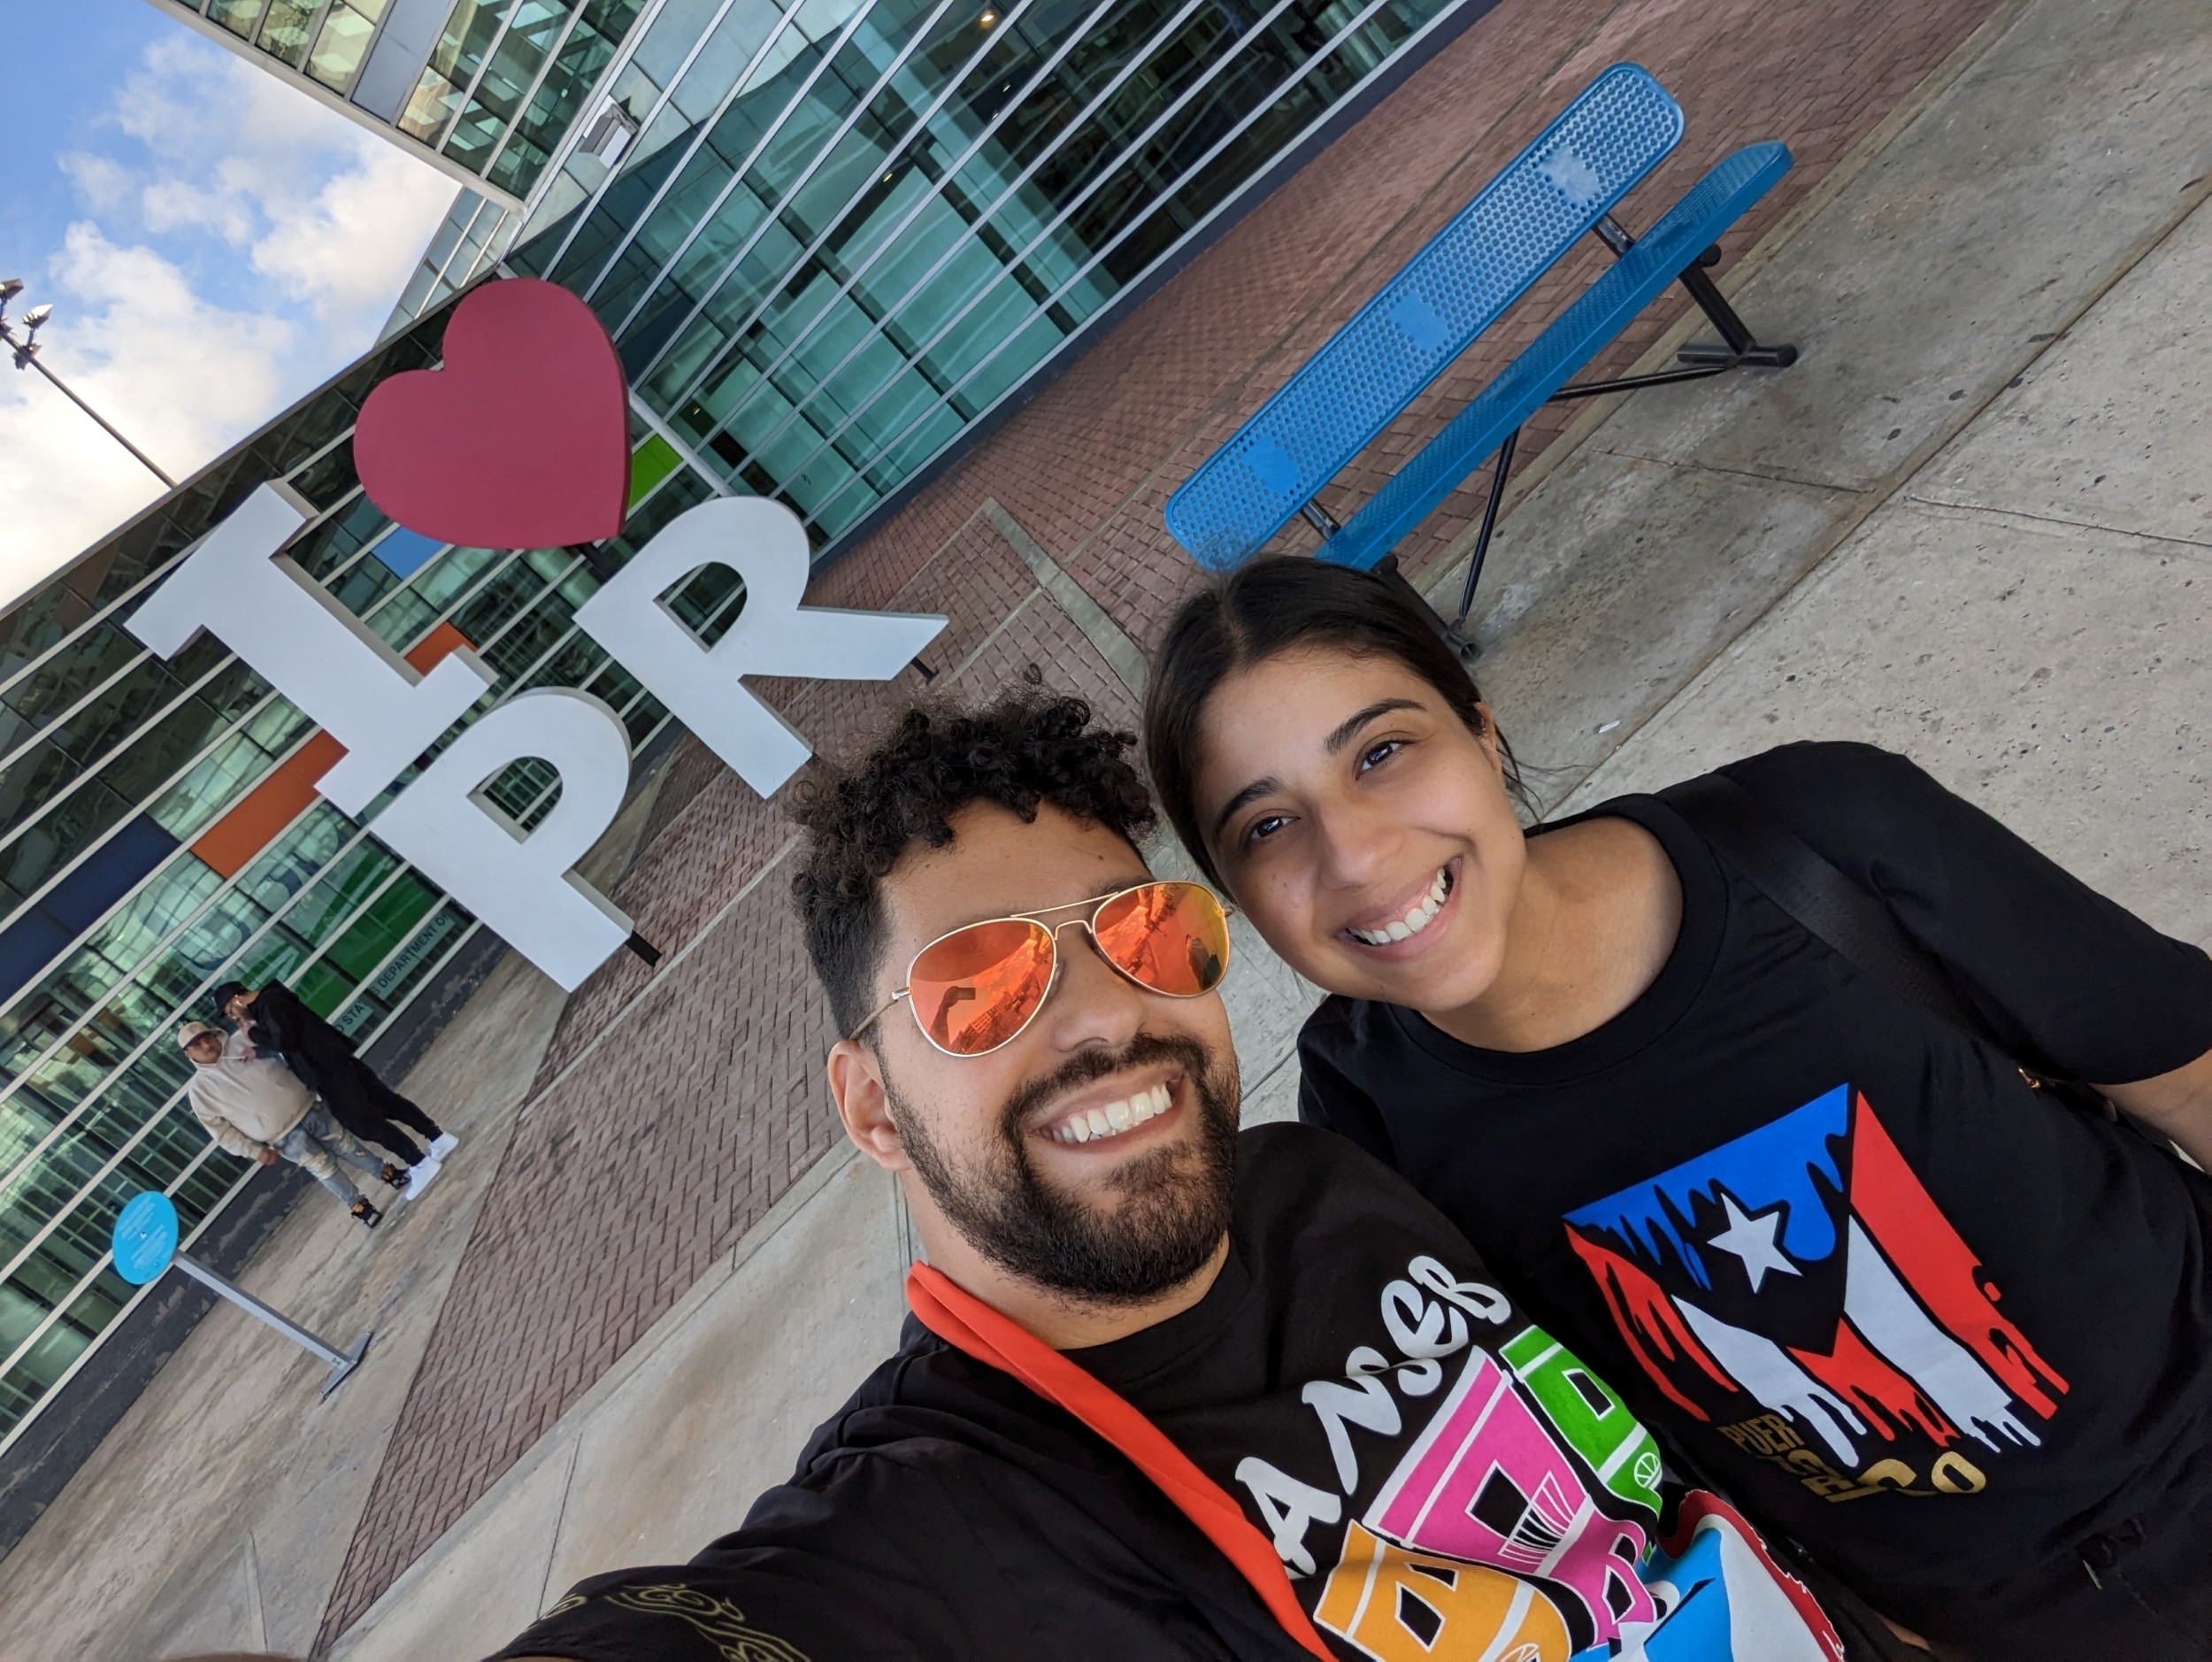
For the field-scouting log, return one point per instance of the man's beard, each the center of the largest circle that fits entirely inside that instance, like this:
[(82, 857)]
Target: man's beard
[(1174, 1202)]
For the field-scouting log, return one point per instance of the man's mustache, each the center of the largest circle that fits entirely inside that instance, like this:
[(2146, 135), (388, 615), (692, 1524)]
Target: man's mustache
[(1086, 1066)]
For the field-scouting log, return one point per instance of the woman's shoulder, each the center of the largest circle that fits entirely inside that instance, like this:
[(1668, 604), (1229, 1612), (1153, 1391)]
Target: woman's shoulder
[(1833, 772), (1339, 1025), (1854, 802)]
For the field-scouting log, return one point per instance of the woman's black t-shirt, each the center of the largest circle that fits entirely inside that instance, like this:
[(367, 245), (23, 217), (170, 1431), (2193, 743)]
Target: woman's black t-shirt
[(1929, 1321)]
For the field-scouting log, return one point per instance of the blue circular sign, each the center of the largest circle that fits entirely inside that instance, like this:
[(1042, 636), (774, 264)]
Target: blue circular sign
[(145, 1238)]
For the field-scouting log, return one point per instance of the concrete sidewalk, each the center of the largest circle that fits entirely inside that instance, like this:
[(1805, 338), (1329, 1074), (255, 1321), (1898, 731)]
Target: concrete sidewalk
[(1969, 526)]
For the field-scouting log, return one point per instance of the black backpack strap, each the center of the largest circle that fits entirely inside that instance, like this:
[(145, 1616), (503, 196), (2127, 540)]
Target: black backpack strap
[(1747, 834)]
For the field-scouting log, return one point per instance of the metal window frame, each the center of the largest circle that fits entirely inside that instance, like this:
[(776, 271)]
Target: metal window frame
[(934, 193), (974, 228), (1360, 20), (864, 103)]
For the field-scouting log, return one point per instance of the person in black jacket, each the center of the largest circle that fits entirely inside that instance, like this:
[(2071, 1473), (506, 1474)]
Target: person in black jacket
[(273, 1019), (1372, 1452), (1836, 1218)]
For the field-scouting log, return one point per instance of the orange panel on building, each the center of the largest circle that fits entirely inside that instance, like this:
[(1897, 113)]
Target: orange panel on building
[(280, 798)]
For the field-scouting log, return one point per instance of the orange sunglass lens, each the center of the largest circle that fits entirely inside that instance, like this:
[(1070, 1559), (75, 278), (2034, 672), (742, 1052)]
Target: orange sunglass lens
[(973, 990), (1170, 937)]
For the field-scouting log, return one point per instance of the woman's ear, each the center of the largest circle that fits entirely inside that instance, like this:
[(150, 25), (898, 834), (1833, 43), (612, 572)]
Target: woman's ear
[(855, 1083), (1488, 739)]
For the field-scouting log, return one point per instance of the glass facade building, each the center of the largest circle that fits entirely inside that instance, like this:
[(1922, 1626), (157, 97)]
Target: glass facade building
[(829, 237), (159, 831), (484, 89)]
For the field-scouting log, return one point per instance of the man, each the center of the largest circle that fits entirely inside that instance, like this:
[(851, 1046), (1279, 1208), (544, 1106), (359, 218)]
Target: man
[(256, 1109), (1180, 1393), (272, 1018)]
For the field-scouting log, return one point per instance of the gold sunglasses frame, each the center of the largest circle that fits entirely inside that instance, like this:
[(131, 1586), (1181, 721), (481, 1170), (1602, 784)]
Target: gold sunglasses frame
[(1091, 909)]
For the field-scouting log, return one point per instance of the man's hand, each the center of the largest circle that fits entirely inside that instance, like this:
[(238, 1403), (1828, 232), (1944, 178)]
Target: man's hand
[(2177, 1104), (267, 1157)]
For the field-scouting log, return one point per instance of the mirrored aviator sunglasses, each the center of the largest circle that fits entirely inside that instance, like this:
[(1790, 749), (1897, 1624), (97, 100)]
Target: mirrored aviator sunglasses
[(975, 989)]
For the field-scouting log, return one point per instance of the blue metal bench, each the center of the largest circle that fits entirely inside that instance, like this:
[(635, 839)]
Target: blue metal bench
[(1560, 189)]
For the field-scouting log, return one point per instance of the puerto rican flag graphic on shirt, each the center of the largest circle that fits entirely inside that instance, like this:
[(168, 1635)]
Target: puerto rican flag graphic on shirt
[(1798, 1289)]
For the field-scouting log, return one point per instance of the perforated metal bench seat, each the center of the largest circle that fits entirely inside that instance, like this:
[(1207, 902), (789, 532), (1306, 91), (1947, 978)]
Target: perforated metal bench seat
[(1560, 189)]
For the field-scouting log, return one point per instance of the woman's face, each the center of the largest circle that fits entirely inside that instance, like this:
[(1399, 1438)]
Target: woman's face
[(1362, 827)]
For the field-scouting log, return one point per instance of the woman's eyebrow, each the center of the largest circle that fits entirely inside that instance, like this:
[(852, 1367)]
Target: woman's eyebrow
[(1342, 735), (1251, 793)]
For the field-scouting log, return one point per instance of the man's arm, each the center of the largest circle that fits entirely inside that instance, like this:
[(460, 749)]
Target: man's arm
[(2177, 1104), (227, 1137)]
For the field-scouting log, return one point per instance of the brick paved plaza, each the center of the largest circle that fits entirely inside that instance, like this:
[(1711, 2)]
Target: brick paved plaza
[(674, 1106)]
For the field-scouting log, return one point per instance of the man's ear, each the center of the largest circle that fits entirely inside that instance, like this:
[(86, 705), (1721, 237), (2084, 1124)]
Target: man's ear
[(855, 1082)]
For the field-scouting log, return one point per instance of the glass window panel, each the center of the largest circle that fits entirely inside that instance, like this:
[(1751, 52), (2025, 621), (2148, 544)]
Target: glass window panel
[(362, 947), (57, 835), (324, 987), (238, 16), (439, 583), (289, 30), (344, 42), (63, 678), (350, 879), (198, 799)]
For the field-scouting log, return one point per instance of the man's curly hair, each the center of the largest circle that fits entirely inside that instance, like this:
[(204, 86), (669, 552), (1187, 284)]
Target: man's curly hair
[(1024, 749)]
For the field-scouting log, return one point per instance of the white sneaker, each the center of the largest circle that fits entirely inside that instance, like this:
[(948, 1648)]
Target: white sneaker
[(444, 1144), (419, 1177)]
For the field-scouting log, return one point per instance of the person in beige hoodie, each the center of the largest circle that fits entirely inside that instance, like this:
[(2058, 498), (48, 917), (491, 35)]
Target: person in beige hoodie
[(256, 1109)]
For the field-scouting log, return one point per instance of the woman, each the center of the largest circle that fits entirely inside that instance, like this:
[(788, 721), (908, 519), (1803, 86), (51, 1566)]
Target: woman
[(1911, 1304)]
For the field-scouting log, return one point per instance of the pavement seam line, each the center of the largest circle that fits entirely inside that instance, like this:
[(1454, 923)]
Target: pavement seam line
[(1891, 487), (1661, 354), (2192, 544), (569, 1427), (560, 1521), (622, 1011), (1123, 654), (996, 629)]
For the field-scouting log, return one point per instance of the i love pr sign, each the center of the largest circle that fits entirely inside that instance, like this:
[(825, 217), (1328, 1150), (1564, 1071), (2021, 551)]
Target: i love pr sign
[(521, 440)]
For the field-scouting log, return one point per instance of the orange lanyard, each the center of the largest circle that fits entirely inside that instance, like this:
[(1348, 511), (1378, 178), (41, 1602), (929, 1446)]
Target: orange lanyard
[(969, 1325)]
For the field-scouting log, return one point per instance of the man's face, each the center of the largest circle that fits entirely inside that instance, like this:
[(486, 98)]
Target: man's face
[(207, 1049), (1119, 1217), (236, 1009)]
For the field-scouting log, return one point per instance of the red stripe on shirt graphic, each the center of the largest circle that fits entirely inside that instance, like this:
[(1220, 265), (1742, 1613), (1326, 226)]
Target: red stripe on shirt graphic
[(1798, 1289)]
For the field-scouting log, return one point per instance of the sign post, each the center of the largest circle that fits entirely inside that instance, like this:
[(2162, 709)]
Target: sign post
[(145, 1243)]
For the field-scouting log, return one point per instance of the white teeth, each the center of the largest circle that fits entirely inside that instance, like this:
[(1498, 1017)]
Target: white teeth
[(1114, 1117), (1415, 920)]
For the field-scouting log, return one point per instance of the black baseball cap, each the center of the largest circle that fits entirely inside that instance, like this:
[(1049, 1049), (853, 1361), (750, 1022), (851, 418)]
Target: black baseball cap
[(224, 993)]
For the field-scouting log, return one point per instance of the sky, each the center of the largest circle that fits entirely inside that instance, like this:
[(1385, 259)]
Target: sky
[(214, 244)]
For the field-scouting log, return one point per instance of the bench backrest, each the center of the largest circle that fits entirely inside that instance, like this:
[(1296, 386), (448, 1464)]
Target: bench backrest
[(1548, 197)]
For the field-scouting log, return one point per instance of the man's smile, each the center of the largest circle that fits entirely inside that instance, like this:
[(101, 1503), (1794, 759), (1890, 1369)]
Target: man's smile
[(1096, 1117)]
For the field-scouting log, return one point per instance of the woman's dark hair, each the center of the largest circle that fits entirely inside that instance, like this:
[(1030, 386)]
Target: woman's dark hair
[(1273, 605), (1022, 751)]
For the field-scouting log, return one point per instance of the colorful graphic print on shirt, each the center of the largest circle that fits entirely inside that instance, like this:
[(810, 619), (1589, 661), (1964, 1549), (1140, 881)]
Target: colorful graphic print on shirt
[(1800, 1290), (1517, 1520)]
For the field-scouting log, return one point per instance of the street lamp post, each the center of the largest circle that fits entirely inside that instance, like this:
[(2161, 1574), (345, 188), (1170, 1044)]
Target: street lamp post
[(26, 353)]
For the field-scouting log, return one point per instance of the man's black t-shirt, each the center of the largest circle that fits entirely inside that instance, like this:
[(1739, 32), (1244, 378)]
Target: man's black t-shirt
[(1440, 1477), (1929, 1321)]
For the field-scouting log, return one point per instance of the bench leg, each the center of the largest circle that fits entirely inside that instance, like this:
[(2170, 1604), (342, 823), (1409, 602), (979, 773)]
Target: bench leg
[(1482, 540), (1740, 346)]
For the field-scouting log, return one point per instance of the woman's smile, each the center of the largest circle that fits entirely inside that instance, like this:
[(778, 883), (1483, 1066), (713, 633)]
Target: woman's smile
[(1407, 926)]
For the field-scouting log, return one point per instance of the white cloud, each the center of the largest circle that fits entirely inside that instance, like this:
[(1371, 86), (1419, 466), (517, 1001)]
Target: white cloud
[(240, 243)]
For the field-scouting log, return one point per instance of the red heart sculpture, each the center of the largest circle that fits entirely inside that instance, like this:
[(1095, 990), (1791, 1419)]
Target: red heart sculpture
[(521, 440)]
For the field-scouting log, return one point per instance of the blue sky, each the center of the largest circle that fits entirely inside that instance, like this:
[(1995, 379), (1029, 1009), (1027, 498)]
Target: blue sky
[(214, 242)]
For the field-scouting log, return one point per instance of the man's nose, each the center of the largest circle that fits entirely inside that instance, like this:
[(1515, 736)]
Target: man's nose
[(1094, 1004)]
